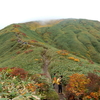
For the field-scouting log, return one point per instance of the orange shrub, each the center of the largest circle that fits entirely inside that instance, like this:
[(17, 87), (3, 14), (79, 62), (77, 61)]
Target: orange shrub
[(94, 95), (77, 60), (83, 87), (31, 87), (40, 84), (71, 58), (36, 59), (63, 52), (88, 97), (77, 84), (58, 52)]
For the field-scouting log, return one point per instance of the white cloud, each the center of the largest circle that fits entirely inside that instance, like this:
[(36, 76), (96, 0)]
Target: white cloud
[(16, 11)]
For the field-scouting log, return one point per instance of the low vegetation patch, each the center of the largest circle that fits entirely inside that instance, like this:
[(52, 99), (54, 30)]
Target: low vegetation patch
[(16, 84)]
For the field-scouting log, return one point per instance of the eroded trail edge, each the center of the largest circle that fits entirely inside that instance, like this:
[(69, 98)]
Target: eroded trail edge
[(46, 62)]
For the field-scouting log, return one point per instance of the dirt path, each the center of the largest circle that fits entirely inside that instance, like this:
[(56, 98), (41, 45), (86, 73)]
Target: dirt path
[(46, 62), (61, 96), (45, 70)]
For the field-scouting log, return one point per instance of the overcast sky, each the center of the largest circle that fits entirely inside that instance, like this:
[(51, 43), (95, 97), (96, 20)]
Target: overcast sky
[(17, 11)]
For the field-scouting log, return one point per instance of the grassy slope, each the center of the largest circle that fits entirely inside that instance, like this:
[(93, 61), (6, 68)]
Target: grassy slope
[(52, 38), (81, 37)]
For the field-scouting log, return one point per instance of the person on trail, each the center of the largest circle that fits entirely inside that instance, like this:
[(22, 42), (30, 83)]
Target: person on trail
[(59, 82), (54, 80)]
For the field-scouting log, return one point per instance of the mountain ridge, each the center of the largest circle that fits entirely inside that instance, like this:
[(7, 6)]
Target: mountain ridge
[(23, 46)]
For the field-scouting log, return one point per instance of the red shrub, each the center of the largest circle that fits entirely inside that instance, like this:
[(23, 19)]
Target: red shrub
[(91, 62), (28, 51), (16, 25), (18, 52), (23, 34), (5, 68), (34, 41), (19, 72)]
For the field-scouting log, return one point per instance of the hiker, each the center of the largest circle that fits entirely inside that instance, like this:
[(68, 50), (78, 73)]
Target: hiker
[(54, 80), (59, 82)]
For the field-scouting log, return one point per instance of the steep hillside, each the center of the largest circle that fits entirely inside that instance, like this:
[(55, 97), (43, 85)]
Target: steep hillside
[(80, 37), (66, 47)]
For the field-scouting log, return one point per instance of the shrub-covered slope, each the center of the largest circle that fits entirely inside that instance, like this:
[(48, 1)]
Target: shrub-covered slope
[(66, 46), (80, 37)]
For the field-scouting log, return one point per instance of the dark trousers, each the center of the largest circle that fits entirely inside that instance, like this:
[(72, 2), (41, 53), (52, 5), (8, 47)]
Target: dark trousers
[(59, 88)]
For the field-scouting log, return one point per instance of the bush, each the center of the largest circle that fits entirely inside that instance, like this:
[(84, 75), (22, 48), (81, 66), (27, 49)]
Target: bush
[(94, 84), (83, 87), (21, 73), (52, 95)]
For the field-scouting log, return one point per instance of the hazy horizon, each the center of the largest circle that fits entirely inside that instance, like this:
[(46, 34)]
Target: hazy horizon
[(20, 11)]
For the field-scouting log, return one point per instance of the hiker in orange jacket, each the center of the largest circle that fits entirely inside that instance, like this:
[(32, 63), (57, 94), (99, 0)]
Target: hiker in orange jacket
[(54, 80)]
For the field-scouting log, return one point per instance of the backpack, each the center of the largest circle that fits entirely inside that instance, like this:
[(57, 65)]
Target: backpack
[(59, 81)]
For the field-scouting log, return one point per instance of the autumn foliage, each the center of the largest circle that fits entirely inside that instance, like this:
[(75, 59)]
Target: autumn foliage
[(15, 71), (63, 52), (28, 51), (77, 60), (84, 87), (33, 41), (18, 72), (3, 69), (18, 52), (24, 34), (74, 59), (16, 26), (22, 84), (71, 58), (31, 87)]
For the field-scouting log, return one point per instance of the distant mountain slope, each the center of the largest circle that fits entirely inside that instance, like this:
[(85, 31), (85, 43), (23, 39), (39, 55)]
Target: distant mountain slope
[(81, 37), (69, 45)]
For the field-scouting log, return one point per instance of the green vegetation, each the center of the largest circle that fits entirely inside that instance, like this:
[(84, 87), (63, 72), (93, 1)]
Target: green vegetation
[(79, 37), (65, 46), (18, 84)]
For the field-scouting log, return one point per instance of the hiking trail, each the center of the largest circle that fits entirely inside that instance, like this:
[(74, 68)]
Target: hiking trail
[(46, 63)]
